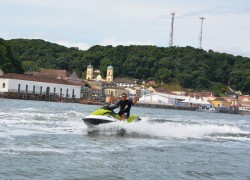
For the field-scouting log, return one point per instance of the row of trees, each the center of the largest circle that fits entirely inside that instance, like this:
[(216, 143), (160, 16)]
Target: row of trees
[(193, 68)]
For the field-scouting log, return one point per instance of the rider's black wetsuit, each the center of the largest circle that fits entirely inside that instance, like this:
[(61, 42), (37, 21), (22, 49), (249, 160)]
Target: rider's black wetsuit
[(125, 106)]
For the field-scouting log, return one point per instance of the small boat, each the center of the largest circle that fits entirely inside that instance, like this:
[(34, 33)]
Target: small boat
[(200, 109)]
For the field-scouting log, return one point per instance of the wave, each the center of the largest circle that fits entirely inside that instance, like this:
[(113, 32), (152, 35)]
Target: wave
[(27, 121), (30, 122), (172, 129)]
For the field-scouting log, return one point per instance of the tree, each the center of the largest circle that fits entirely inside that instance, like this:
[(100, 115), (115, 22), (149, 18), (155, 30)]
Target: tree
[(194, 68), (104, 64)]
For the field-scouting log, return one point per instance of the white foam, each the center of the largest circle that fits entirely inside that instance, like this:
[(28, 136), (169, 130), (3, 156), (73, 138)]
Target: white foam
[(33, 121), (27, 121), (171, 129), (33, 149)]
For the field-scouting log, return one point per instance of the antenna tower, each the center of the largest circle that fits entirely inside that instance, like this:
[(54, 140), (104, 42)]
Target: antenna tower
[(200, 38), (172, 30)]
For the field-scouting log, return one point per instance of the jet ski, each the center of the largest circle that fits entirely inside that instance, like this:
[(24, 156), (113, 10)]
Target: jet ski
[(106, 114)]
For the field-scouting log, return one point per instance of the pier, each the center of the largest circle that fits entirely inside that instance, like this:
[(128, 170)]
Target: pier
[(30, 95)]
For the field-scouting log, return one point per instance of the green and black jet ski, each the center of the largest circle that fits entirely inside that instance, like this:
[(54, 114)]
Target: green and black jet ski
[(106, 114)]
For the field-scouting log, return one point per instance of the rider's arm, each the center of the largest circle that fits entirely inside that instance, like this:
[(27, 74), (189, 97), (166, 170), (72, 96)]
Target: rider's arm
[(135, 100)]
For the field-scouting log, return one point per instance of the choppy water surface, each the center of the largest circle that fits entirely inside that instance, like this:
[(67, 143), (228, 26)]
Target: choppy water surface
[(40, 140)]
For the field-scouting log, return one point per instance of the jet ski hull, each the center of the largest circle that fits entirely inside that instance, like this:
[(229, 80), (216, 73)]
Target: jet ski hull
[(93, 120), (96, 120)]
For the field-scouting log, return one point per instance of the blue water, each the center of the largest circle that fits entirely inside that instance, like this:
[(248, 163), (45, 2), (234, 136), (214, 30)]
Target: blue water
[(46, 140)]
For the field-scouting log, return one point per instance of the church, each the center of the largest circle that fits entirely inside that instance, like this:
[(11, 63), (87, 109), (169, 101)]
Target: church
[(90, 74)]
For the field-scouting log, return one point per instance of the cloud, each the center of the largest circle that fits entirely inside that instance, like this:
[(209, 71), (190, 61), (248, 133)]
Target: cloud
[(217, 10), (232, 50), (80, 45), (85, 23), (115, 42)]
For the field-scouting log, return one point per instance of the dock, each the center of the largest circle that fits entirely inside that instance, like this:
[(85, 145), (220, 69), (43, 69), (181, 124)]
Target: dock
[(36, 96)]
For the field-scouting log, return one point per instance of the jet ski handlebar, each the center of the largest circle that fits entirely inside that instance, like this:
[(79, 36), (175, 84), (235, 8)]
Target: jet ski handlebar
[(110, 106)]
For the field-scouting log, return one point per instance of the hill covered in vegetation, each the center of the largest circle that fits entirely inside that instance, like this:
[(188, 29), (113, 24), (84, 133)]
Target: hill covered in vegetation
[(7, 61), (192, 68)]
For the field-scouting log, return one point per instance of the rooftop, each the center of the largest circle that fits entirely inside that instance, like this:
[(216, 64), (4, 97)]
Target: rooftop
[(38, 79), (124, 80), (54, 73)]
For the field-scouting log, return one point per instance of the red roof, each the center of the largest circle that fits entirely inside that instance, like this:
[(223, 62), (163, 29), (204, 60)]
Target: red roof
[(54, 73), (38, 79)]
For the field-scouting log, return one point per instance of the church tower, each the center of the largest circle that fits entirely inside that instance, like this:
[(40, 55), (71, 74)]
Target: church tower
[(90, 72), (110, 74)]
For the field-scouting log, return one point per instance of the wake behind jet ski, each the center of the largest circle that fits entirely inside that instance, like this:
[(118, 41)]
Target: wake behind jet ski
[(106, 114)]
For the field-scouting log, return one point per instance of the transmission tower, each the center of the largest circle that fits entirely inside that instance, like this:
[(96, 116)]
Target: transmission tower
[(172, 30), (200, 38)]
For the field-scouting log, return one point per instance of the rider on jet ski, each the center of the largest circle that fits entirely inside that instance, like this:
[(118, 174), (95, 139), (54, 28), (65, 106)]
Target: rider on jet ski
[(125, 106), (106, 114)]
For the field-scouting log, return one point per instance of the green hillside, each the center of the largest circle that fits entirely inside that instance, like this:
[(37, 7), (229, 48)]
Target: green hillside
[(192, 68), (36, 54), (7, 61)]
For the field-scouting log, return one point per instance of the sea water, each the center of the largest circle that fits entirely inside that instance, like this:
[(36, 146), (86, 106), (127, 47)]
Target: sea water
[(47, 140)]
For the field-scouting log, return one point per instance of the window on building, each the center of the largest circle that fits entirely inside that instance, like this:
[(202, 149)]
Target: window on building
[(41, 90), (47, 90), (54, 90), (3, 85), (73, 93), (60, 92), (26, 89), (67, 92), (34, 89), (19, 88)]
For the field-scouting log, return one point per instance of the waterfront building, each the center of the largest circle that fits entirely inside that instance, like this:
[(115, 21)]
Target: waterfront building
[(219, 102), (244, 101), (200, 102), (134, 92), (124, 82), (202, 93), (232, 100), (161, 98), (93, 91), (20, 83), (115, 91)]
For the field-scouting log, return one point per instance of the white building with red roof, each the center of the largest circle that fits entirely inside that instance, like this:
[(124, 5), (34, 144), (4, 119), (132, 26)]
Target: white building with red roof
[(39, 85)]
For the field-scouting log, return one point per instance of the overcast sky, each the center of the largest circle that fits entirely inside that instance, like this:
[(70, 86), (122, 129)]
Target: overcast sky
[(84, 23)]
